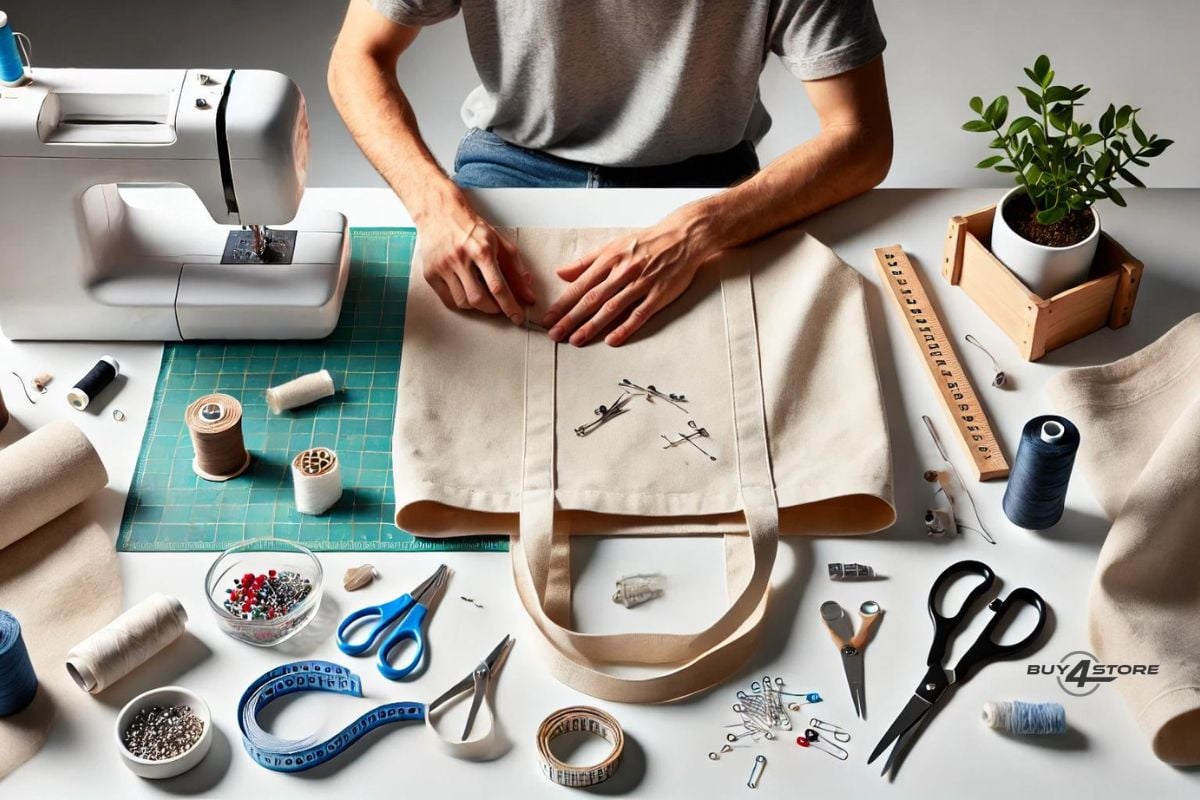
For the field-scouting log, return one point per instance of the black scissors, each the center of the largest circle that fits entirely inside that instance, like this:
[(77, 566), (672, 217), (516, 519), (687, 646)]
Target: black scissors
[(935, 685)]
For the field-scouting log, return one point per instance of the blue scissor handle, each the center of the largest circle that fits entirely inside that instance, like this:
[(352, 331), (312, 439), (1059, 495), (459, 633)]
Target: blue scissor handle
[(387, 613), (410, 629)]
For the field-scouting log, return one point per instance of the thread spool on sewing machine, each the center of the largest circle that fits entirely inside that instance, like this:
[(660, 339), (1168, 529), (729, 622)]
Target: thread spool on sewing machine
[(219, 154)]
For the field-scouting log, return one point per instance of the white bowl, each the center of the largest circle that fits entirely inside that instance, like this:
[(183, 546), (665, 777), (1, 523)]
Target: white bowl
[(168, 767)]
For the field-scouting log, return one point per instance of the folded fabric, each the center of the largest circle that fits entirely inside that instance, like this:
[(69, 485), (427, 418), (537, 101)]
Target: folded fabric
[(1139, 418), (58, 571), (770, 348)]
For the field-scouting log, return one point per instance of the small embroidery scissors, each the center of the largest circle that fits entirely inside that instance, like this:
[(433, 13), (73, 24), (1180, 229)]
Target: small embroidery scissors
[(479, 683), (852, 650), (935, 686), (410, 610)]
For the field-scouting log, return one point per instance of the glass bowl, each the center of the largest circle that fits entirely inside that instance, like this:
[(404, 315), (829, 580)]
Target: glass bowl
[(259, 557)]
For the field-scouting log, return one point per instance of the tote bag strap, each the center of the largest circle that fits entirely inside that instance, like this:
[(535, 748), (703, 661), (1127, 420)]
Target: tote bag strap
[(541, 551)]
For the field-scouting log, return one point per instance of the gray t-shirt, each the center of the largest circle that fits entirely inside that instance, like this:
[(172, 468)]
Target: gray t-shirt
[(641, 82)]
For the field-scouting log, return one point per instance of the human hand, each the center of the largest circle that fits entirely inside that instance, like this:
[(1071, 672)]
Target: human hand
[(629, 280), (469, 264)]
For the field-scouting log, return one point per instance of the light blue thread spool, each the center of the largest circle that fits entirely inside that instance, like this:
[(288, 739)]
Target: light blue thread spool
[(12, 69), (1026, 719)]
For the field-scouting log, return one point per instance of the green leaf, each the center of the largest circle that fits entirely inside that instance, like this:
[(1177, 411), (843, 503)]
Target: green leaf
[(1057, 94), (989, 162), (1114, 195), (1091, 139), (1033, 174), (1019, 124), (1051, 215), (1138, 134), (1032, 99), (1005, 168), (1106, 120), (976, 105), (977, 126), (1123, 115), (1041, 67), (1103, 164), (997, 112), (1129, 176), (1031, 75)]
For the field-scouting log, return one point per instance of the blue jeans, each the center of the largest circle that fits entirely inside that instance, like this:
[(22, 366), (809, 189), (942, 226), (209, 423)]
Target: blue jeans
[(485, 161)]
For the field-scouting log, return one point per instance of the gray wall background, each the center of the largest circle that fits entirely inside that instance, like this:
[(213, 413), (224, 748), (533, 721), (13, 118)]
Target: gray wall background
[(940, 52)]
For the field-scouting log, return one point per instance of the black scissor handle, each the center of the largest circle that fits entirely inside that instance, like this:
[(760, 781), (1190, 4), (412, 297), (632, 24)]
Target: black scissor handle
[(986, 649), (943, 626)]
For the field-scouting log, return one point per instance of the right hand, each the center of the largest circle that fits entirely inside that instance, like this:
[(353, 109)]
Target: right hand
[(468, 263)]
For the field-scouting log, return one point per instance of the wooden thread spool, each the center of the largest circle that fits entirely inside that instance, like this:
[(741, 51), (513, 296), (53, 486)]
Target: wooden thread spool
[(317, 480), (215, 423)]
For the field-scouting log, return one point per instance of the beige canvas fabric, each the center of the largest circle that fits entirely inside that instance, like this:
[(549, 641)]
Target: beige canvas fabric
[(58, 571), (1139, 419), (770, 345)]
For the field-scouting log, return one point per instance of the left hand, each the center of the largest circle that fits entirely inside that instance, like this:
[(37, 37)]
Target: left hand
[(628, 280)]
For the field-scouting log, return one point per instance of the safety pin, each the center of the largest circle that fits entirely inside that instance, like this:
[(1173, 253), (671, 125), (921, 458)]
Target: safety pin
[(760, 764), (998, 378), (813, 739), (605, 413), (698, 432), (651, 391), (829, 727)]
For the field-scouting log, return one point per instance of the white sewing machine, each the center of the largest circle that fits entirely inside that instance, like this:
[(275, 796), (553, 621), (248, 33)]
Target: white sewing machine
[(82, 257)]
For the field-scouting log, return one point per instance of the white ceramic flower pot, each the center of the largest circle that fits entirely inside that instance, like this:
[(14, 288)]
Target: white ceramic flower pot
[(1045, 270)]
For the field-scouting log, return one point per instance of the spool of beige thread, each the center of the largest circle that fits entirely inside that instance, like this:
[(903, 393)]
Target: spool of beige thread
[(317, 480), (301, 391), (126, 643), (215, 424)]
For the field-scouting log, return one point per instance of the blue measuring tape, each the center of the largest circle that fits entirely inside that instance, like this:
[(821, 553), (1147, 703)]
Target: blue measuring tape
[(297, 755), (18, 683)]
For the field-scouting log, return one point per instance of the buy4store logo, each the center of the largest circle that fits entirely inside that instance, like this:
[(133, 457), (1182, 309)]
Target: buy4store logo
[(1080, 673)]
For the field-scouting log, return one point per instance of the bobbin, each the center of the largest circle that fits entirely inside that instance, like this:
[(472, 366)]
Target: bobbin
[(215, 424), (316, 480)]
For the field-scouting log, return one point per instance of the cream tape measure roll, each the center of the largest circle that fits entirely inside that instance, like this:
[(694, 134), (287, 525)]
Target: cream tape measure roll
[(570, 720)]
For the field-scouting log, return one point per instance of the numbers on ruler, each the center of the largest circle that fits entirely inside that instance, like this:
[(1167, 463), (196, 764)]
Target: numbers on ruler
[(932, 337)]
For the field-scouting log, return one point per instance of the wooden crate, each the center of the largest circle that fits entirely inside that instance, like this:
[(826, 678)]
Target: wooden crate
[(1038, 325)]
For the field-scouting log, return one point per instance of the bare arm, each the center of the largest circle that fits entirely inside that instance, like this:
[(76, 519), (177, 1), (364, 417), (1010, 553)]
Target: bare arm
[(629, 280), (466, 261)]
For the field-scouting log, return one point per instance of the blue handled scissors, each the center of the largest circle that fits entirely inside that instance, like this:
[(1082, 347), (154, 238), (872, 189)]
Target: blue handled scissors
[(410, 610)]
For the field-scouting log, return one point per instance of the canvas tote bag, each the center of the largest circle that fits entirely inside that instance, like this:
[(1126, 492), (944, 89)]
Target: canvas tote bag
[(771, 347)]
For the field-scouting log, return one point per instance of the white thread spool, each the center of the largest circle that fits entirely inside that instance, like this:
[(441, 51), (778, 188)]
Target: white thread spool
[(301, 391), (317, 480), (126, 643)]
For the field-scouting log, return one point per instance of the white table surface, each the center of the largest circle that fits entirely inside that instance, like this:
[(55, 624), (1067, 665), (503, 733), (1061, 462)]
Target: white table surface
[(1103, 757)]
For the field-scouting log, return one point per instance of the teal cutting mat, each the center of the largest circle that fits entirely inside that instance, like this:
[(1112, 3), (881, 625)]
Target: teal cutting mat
[(170, 509)]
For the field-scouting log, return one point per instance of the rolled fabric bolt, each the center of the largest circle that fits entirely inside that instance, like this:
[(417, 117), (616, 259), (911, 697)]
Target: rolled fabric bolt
[(301, 391), (44, 474), (126, 643), (316, 480), (93, 383)]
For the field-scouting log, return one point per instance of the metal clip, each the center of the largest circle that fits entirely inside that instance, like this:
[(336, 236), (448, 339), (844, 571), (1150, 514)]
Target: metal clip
[(851, 572), (605, 413), (633, 590), (697, 432), (813, 739), (839, 734), (651, 391), (760, 764)]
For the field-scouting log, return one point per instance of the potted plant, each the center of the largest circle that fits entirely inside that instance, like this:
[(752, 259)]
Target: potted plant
[(1045, 229)]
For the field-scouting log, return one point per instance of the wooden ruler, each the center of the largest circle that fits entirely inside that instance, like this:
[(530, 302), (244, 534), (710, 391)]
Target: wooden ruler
[(954, 388)]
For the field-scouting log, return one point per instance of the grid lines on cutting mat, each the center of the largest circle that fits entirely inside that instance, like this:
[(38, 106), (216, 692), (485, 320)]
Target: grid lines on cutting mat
[(169, 508)]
